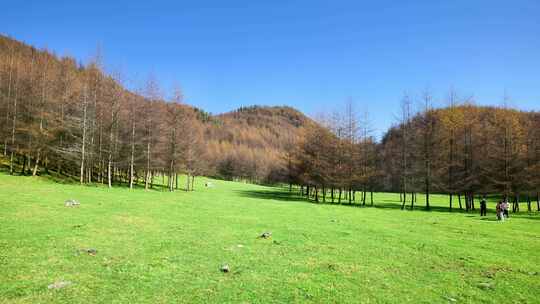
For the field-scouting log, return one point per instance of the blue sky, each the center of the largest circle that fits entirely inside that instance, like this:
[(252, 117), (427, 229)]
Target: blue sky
[(312, 55)]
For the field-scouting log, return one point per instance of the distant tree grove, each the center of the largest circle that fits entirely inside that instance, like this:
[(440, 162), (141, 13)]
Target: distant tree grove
[(77, 121), (463, 150), (80, 122)]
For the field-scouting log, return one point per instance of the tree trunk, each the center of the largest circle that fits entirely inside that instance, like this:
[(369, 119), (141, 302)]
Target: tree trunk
[(132, 156), (163, 179), (364, 193), (339, 196), (46, 165), (459, 201), (23, 170), (451, 195), (169, 185), (109, 163), (100, 160), (34, 172), (109, 173), (147, 175), (332, 194), (427, 197), (8, 100), (14, 120), (83, 138), (371, 196)]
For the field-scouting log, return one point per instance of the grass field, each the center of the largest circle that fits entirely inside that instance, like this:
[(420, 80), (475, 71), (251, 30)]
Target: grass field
[(160, 247)]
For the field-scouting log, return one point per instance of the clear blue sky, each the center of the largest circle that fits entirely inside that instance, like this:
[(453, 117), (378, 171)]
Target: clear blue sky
[(311, 55)]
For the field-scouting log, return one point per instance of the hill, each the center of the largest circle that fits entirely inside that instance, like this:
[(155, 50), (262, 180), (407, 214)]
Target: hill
[(75, 119), (251, 143)]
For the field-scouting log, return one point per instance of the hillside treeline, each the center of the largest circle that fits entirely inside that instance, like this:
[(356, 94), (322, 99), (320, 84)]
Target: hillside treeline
[(462, 150), (251, 143), (77, 120), (57, 115)]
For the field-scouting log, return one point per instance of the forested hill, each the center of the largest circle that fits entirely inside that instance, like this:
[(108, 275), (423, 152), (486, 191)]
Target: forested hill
[(77, 120), (253, 142), (464, 149)]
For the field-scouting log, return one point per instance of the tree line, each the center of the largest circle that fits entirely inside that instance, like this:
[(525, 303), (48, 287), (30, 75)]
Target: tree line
[(78, 121), (57, 115), (463, 150)]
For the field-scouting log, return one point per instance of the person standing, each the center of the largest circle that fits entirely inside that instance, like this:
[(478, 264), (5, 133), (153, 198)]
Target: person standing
[(483, 207), (499, 210), (505, 207)]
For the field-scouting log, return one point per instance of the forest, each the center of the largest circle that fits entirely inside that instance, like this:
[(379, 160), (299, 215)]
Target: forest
[(463, 150), (79, 121)]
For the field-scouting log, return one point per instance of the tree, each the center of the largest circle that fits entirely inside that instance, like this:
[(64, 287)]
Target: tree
[(152, 94)]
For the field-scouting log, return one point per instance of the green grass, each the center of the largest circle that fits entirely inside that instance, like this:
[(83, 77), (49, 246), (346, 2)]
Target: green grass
[(160, 247)]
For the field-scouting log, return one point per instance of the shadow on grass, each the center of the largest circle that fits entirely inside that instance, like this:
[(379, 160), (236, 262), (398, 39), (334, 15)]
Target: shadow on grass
[(529, 217), (65, 179), (277, 195), (489, 218), (282, 194), (285, 195)]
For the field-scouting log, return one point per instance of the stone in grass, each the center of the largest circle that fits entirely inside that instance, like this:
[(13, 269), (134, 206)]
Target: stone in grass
[(450, 299), (59, 285), (225, 268), (90, 251), (485, 285), (265, 235), (71, 203)]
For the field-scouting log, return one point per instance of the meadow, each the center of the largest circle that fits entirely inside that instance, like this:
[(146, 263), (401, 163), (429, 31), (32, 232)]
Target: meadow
[(161, 247)]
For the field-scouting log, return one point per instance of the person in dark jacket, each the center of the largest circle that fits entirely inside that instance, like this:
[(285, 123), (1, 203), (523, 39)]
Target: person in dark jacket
[(483, 207)]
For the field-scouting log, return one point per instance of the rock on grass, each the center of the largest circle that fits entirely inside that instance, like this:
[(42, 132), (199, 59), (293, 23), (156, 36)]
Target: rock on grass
[(265, 235), (225, 268), (71, 203), (59, 285), (90, 251), (485, 286)]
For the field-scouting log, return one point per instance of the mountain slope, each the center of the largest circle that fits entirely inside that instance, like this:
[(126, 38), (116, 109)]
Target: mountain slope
[(251, 143), (63, 115)]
